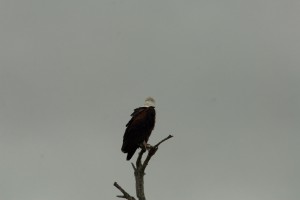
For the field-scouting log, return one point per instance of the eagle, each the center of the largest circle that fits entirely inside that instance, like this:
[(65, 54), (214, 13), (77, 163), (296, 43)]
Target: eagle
[(139, 128)]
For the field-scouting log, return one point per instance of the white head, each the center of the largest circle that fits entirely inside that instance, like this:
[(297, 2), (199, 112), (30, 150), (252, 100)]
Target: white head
[(149, 102)]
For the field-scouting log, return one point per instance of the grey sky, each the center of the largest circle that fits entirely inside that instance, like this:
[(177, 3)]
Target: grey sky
[(225, 76)]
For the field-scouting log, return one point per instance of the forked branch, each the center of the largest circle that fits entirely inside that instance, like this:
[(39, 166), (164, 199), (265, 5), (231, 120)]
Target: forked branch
[(125, 194), (139, 171), (152, 151)]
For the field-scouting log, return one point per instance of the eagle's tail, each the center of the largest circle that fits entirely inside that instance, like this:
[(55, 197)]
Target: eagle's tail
[(130, 153), (129, 149)]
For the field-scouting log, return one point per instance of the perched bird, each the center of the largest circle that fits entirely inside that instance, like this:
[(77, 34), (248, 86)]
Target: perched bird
[(139, 128)]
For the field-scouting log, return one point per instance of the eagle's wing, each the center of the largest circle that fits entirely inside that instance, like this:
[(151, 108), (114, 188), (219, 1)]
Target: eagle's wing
[(138, 129), (135, 125), (134, 133)]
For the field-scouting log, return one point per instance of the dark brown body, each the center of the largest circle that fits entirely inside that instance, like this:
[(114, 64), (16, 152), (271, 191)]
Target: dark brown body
[(138, 130)]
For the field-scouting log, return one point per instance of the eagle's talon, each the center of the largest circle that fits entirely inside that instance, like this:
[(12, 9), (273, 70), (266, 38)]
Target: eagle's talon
[(142, 146), (145, 146), (148, 147)]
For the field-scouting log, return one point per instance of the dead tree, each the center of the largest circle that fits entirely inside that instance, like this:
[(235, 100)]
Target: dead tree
[(139, 172)]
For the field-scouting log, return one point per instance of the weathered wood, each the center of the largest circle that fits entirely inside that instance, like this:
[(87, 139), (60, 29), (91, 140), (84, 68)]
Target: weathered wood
[(139, 172), (125, 194)]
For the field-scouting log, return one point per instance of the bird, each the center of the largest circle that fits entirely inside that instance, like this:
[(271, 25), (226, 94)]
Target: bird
[(139, 128)]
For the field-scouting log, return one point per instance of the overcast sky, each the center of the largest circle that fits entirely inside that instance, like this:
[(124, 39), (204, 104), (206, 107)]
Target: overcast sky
[(225, 76)]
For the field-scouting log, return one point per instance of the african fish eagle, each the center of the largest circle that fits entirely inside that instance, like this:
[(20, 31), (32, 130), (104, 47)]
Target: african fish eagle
[(139, 128)]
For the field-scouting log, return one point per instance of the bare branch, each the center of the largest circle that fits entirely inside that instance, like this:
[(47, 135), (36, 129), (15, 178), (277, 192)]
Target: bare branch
[(139, 176), (152, 151), (121, 196), (139, 172), (125, 194), (139, 158), (134, 168), (140, 169), (170, 136)]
